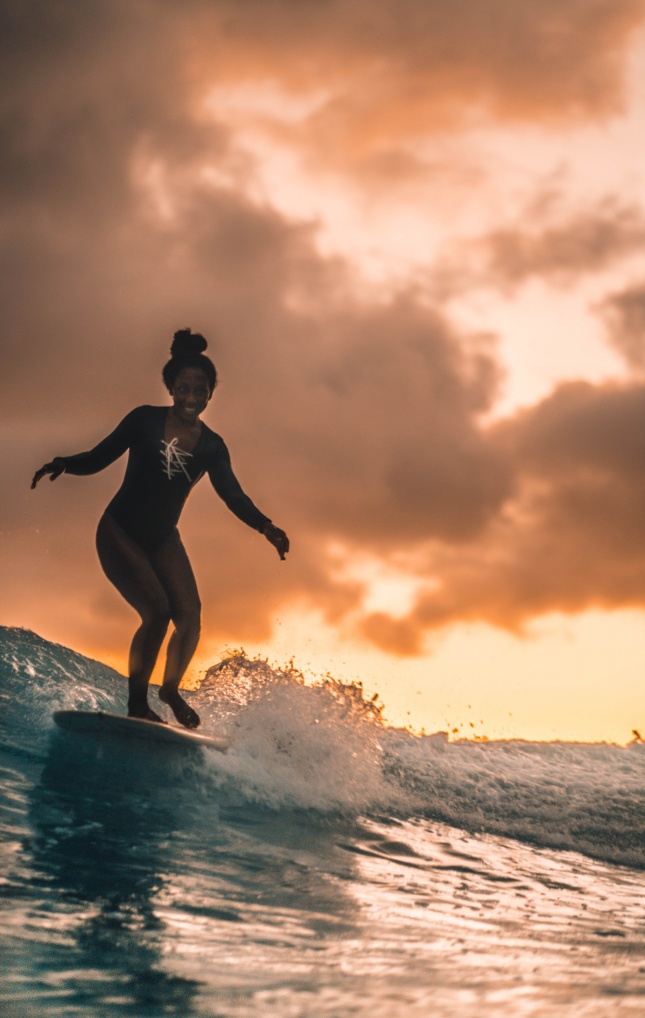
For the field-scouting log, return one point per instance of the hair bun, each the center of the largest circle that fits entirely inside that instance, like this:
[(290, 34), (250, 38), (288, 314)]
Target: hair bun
[(187, 344)]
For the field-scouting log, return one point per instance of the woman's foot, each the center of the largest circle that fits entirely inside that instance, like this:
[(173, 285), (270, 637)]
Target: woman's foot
[(145, 713), (185, 715)]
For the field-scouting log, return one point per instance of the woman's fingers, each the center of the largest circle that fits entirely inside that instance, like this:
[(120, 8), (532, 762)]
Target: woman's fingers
[(278, 539), (37, 476), (55, 468)]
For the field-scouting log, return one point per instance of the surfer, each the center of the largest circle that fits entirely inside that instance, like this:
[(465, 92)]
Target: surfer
[(137, 540)]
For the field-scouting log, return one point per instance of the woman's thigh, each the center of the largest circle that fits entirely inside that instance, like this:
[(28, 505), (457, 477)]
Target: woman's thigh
[(174, 571), (129, 568)]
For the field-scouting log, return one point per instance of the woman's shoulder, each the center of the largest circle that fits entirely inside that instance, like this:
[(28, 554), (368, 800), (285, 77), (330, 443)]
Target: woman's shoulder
[(147, 412), (143, 417), (213, 442)]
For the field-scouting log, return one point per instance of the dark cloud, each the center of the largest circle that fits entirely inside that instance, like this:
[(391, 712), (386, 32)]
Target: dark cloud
[(549, 242), (554, 245), (561, 253), (354, 418), (624, 314), (571, 537), (84, 84), (320, 387), (348, 419), (400, 69)]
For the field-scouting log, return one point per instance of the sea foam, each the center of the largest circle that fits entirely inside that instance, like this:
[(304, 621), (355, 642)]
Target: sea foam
[(322, 746)]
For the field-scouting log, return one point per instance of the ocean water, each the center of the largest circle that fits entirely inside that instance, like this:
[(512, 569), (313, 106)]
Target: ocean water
[(327, 865)]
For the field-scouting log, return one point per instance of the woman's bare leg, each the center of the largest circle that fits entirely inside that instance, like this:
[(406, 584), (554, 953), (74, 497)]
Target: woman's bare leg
[(130, 570), (175, 574)]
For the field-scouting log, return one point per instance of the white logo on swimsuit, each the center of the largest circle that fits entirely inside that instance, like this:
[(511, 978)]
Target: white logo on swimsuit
[(174, 459)]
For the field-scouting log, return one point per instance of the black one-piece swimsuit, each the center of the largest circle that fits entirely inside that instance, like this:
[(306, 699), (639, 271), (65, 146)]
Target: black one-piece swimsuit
[(160, 475)]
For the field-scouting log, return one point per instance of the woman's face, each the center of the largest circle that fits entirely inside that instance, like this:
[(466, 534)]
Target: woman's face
[(190, 394)]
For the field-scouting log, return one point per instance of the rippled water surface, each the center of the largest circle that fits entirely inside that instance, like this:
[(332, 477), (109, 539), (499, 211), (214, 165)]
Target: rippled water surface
[(325, 865)]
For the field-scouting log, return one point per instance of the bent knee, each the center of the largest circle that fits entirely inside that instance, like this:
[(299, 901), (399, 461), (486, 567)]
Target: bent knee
[(156, 614), (188, 620)]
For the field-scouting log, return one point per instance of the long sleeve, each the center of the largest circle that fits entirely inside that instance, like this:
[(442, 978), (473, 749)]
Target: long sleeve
[(229, 489), (105, 452)]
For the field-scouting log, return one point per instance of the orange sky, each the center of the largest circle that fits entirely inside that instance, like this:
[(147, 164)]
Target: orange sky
[(413, 236)]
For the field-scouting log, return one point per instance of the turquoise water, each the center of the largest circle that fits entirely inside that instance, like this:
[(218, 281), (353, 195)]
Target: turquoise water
[(325, 866)]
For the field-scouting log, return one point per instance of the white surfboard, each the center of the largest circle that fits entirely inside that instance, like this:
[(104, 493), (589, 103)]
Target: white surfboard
[(102, 723)]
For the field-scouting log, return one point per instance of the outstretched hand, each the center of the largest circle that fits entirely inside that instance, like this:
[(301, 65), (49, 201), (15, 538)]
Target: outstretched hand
[(55, 468), (277, 538)]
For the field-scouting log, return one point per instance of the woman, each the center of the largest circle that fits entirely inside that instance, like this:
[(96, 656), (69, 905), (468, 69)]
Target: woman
[(138, 543)]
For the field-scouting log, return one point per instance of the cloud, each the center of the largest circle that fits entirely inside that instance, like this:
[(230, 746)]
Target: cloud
[(584, 243), (354, 417), (399, 70), (624, 314), (554, 244), (321, 385), (347, 418), (571, 537), (350, 420), (82, 87)]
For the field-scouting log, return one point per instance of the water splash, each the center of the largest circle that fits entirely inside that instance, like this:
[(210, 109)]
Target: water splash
[(296, 744), (321, 746)]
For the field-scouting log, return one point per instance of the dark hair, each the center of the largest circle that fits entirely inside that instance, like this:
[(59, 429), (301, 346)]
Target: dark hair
[(187, 351)]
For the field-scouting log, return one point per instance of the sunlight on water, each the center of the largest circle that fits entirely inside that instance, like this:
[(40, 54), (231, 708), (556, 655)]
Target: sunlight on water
[(325, 866)]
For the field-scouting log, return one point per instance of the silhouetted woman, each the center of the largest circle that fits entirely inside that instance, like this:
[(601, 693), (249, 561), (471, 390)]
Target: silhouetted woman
[(138, 543)]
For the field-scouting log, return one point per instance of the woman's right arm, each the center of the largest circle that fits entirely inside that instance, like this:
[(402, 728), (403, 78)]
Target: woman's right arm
[(96, 459)]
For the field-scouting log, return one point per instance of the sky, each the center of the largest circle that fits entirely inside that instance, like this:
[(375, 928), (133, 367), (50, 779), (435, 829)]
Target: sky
[(413, 236)]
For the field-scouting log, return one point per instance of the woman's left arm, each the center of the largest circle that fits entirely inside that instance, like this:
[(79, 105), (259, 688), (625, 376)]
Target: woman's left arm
[(230, 491)]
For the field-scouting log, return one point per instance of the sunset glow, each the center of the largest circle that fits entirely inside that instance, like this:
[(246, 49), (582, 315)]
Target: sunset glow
[(413, 235)]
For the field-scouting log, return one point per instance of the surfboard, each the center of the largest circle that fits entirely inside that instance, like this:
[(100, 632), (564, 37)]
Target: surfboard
[(103, 723)]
